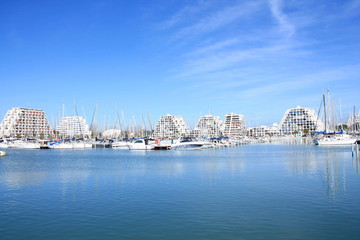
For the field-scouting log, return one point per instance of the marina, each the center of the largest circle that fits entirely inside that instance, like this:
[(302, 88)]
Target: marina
[(256, 191), (180, 120)]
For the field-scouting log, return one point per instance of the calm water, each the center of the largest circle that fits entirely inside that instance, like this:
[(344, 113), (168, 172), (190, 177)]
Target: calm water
[(247, 192)]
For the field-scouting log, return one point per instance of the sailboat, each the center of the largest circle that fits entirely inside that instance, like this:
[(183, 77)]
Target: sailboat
[(329, 137)]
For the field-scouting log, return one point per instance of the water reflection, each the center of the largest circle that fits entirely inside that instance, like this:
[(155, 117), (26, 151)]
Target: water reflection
[(356, 163), (124, 167), (16, 180), (329, 163), (334, 175)]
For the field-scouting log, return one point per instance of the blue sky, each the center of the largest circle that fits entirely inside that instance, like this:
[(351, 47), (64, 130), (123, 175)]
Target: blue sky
[(188, 58)]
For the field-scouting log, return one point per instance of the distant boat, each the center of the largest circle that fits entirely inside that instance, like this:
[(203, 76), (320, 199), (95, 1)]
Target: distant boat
[(24, 144), (2, 153), (120, 145), (142, 144), (190, 144), (329, 136), (338, 140), (3, 143), (57, 144)]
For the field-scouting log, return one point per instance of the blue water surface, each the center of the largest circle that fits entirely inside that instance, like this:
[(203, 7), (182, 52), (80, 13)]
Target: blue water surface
[(245, 192)]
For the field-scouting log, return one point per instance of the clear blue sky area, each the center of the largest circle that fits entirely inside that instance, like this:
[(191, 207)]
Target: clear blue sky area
[(188, 58)]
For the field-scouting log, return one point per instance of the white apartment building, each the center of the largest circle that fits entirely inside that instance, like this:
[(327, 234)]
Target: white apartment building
[(111, 133), (25, 122), (170, 126), (263, 131), (300, 118), (73, 127), (234, 125), (209, 126)]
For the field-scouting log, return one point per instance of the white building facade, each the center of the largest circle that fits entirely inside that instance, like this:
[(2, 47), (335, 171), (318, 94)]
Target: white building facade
[(25, 122), (263, 131), (70, 127), (300, 119), (234, 125), (172, 127), (209, 126)]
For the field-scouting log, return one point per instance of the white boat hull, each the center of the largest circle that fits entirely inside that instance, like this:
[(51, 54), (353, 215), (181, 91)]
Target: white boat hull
[(140, 144), (335, 141), (191, 145)]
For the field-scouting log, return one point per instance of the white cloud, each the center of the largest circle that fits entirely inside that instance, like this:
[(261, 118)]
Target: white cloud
[(285, 25), (353, 5), (322, 78), (217, 20), (213, 47), (183, 14), (226, 59)]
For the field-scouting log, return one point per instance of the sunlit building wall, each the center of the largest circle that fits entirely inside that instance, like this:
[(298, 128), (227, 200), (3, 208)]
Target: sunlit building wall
[(73, 127), (300, 119), (25, 122), (263, 131), (170, 126), (234, 125), (209, 126)]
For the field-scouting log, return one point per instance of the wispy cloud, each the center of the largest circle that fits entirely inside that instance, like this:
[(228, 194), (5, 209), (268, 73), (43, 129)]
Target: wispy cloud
[(261, 61), (226, 59), (218, 20), (208, 49), (285, 25), (353, 5), (183, 14), (295, 83)]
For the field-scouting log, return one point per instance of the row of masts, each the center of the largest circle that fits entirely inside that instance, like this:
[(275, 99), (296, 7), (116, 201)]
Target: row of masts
[(133, 129), (332, 122)]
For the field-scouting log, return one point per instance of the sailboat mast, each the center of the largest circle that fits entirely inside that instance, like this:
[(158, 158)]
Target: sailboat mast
[(325, 118)]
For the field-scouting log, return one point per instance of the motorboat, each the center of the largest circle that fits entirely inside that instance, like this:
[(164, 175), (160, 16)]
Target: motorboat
[(142, 144), (57, 144), (2, 153), (191, 144), (120, 145), (24, 144), (3, 143)]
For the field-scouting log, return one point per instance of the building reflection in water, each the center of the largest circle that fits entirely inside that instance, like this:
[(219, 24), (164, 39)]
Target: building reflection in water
[(328, 163), (356, 163), (16, 179)]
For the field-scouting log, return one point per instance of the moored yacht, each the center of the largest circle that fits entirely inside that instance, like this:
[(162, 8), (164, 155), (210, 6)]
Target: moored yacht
[(331, 140), (190, 144), (57, 144), (142, 144), (120, 145)]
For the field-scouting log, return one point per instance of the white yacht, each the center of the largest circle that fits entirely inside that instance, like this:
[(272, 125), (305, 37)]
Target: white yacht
[(190, 144), (142, 144), (341, 139), (3, 143), (64, 145), (120, 145), (24, 144)]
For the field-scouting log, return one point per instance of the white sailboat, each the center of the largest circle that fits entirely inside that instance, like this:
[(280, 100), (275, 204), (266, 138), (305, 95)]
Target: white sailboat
[(330, 137)]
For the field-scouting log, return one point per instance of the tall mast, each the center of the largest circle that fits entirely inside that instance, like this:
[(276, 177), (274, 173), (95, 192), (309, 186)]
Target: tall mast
[(142, 117), (325, 118), (120, 123), (354, 122)]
